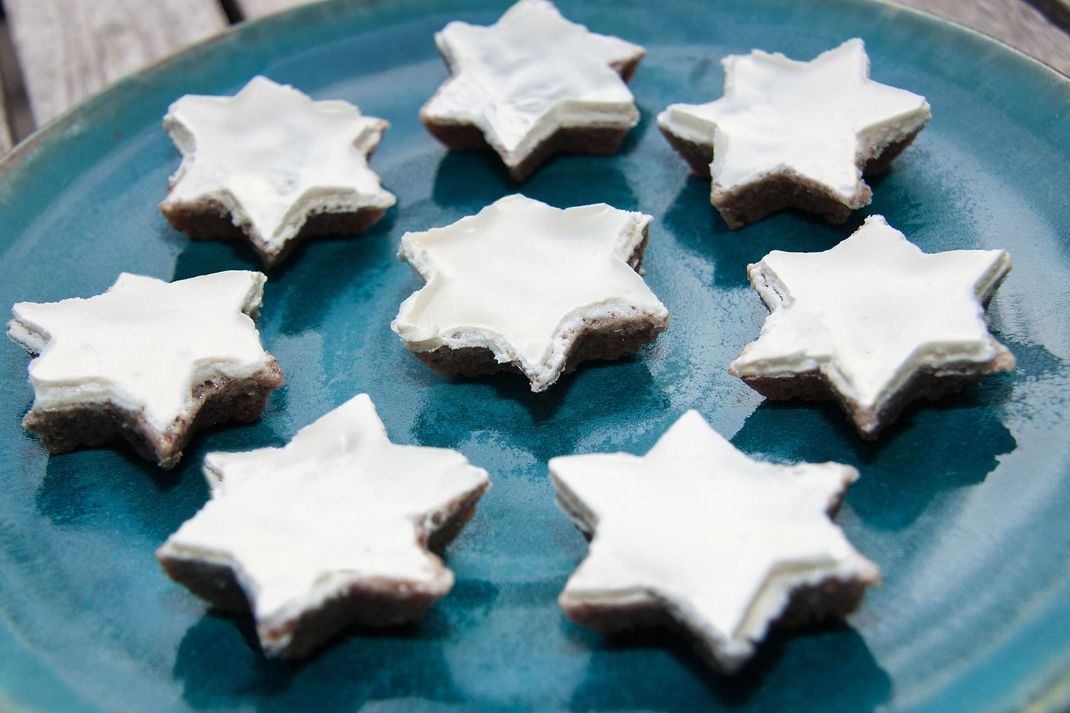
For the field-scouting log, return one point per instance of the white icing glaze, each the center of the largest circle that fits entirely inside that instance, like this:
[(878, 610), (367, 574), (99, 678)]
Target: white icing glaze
[(520, 277), (717, 538), (530, 74), (144, 344), (337, 505), (872, 311), (273, 156), (816, 119)]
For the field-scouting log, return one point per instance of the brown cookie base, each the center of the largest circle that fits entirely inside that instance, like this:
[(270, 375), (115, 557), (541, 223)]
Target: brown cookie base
[(462, 136), (210, 220), (926, 384), (780, 191), (370, 602), (214, 402), (832, 598), (606, 340), (587, 139)]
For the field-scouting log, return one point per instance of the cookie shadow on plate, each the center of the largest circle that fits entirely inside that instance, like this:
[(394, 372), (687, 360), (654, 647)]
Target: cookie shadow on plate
[(348, 250), (914, 199), (602, 383), (110, 485), (201, 257), (658, 669), (935, 446), (469, 398), (470, 180), (558, 418), (325, 270), (697, 227), (576, 179), (220, 666)]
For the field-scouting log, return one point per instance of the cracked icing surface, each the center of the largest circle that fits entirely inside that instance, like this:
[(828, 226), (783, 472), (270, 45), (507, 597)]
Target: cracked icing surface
[(521, 277), (144, 344), (818, 120), (873, 311), (715, 538), (337, 506), (272, 157), (530, 74)]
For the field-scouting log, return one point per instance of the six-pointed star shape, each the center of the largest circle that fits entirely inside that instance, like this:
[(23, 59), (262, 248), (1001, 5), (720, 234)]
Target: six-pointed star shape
[(525, 284), (875, 321), (698, 533), (532, 84), (790, 134), (274, 164), (330, 530), (142, 360)]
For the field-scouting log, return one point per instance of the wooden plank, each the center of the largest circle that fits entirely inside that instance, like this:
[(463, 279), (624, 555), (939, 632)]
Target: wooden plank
[(253, 9), (70, 49), (1013, 21)]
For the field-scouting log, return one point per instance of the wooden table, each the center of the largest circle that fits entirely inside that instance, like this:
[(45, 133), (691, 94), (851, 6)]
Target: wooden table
[(53, 53)]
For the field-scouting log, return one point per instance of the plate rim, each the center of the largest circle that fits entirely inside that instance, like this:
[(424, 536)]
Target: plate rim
[(1049, 695), (237, 32)]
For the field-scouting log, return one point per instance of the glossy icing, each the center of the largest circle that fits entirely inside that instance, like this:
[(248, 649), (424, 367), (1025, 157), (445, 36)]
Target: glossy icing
[(716, 538), (872, 311), (336, 505), (521, 277), (819, 120), (529, 74), (144, 344), (272, 156)]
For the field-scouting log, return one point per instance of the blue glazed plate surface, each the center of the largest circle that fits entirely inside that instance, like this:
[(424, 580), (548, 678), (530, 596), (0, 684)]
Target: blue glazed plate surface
[(963, 504)]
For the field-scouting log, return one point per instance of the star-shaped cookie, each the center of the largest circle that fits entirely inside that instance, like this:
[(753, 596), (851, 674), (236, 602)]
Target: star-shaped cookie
[(330, 530), (274, 165), (790, 134), (875, 323), (526, 286), (531, 85), (147, 361), (698, 534)]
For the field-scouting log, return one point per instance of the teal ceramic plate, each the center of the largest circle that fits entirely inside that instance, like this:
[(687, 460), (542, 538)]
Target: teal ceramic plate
[(963, 504)]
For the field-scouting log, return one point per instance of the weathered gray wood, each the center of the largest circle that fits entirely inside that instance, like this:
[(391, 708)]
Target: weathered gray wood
[(253, 9), (70, 49), (1012, 21)]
